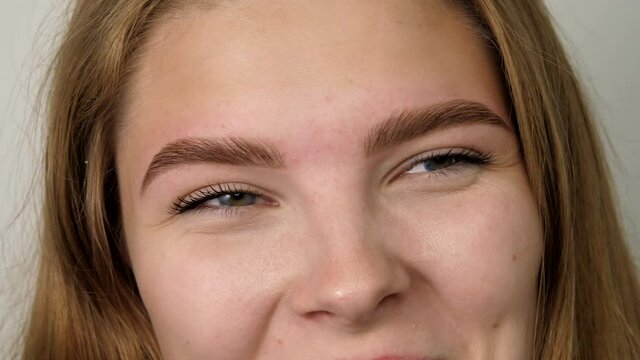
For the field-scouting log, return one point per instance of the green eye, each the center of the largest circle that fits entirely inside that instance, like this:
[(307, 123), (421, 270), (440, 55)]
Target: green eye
[(219, 197)]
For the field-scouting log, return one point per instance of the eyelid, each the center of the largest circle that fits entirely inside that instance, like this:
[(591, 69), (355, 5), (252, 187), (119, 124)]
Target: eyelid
[(484, 158), (191, 201)]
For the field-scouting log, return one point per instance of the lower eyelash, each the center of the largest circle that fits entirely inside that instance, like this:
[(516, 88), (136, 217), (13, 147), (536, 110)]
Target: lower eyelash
[(193, 200), (223, 211)]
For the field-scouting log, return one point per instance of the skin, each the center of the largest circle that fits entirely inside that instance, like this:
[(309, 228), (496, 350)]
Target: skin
[(343, 260)]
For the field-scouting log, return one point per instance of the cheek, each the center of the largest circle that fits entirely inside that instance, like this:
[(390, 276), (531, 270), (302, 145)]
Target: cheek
[(478, 250), (200, 292)]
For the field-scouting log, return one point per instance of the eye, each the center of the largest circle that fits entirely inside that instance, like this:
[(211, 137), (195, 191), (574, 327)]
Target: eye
[(229, 199), (444, 161)]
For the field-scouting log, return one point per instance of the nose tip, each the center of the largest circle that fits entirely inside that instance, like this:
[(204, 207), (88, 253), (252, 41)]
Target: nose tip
[(350, 287), (354, 305)]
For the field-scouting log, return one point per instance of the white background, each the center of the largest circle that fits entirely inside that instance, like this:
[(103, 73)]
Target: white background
[(603, 37)]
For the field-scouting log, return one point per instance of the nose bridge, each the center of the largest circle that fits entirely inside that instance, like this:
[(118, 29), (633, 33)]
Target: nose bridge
[(350, 273), (340, 215)]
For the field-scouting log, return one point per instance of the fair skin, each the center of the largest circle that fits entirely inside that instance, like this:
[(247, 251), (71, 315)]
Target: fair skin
[(350, 251)]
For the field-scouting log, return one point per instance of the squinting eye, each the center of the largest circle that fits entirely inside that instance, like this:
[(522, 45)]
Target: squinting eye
[(434, 164), (220, 197), (233, 199), (447, 160)]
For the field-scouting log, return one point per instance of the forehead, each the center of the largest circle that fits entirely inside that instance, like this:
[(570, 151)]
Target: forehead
[(296, 71)]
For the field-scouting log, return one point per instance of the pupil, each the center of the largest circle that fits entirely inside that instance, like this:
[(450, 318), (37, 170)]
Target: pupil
[(236, 199), (440, 163)]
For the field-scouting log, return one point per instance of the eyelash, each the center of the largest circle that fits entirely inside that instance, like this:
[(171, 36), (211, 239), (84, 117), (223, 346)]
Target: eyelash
[(462, 156), (192, 202)]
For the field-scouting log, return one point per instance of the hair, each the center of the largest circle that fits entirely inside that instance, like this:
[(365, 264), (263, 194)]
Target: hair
[(87, 304)]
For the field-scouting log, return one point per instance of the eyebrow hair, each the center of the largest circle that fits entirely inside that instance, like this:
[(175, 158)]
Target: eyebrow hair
[(396, 129), (409, 124), (230, 150)]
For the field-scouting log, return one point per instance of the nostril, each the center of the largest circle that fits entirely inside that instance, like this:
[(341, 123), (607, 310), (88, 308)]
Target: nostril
[(351, 287), (354, 312), (319, 315), (389, 298)]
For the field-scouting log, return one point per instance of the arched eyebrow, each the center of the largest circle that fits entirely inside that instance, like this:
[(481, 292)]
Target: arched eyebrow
[(408, 124), (394, 130)]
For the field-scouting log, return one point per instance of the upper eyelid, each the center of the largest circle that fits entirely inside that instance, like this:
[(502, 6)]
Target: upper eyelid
[(424, 155), (230, 187), (202, 195)]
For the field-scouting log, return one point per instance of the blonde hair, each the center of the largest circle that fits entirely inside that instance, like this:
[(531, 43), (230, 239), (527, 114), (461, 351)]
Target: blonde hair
[(87, 305)]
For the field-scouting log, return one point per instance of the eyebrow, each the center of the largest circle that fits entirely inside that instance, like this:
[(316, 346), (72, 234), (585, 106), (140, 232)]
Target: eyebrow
[(406, 125), (396, 129)]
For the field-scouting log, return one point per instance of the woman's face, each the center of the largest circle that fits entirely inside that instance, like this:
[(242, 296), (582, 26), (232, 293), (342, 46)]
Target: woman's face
[(327, 180)]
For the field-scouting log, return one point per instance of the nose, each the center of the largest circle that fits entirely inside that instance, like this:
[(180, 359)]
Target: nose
[(352, 277)]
